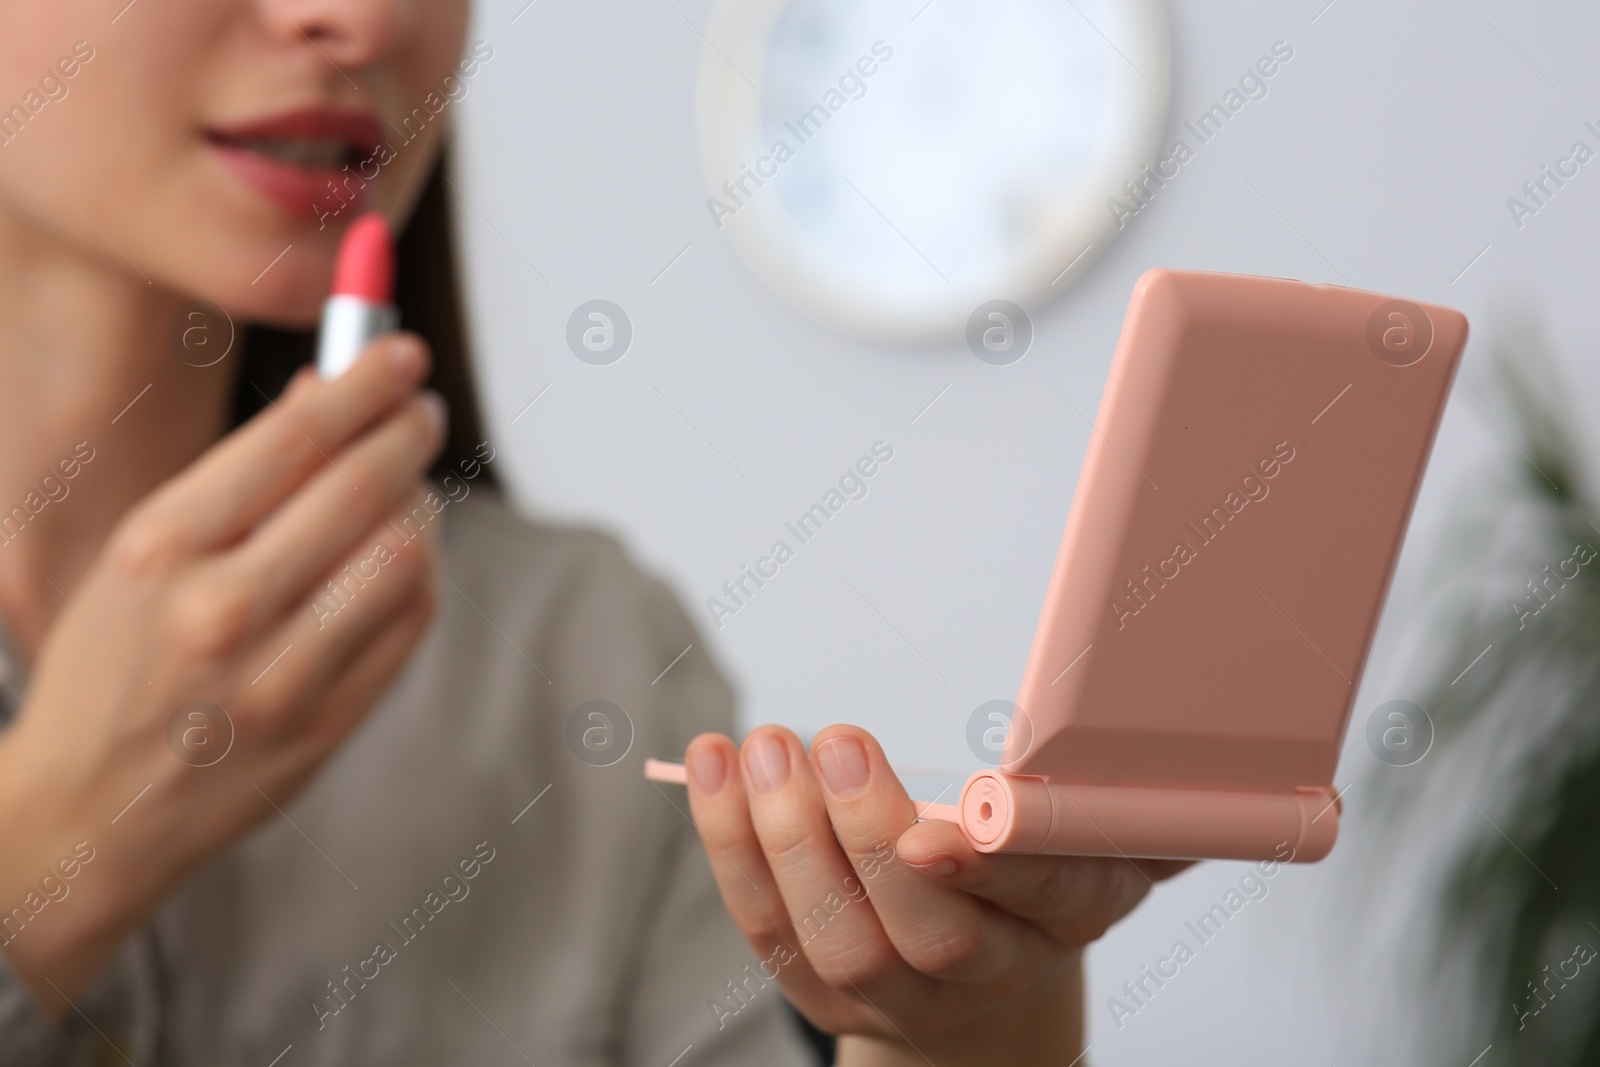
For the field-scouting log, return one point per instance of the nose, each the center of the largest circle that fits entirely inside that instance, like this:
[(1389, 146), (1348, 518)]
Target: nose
[(350, 33)]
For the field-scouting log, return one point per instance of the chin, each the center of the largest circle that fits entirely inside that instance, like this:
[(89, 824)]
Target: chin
[(297, 311), (260, 264), (290, 300)]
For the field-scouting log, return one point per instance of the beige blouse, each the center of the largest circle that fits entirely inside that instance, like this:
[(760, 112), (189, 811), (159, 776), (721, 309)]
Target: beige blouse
[(459, 885)]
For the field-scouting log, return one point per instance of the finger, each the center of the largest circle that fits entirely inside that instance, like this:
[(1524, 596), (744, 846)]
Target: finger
[(319, 525), (940, 931), (385, 572), (356, 688), (1074, 899), (749, 891), (250, 471), (827, 903), (375, 663)]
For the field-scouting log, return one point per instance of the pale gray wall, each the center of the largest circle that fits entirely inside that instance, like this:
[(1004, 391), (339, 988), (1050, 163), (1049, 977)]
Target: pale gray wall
[(1391, 141)]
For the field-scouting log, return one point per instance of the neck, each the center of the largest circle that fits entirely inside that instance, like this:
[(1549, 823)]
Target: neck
[(85, 370)]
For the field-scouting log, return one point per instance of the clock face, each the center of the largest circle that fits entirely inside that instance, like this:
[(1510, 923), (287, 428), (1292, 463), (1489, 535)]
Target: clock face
[(889, 168)]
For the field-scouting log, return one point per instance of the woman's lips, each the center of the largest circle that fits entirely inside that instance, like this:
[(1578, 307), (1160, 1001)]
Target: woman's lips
[(300, 190), (298, 159)]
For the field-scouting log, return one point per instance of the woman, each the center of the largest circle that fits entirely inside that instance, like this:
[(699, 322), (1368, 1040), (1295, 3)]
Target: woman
[(295, 764)]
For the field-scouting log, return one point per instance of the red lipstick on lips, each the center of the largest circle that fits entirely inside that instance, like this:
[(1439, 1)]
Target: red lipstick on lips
[(361, 305), (292, 158)]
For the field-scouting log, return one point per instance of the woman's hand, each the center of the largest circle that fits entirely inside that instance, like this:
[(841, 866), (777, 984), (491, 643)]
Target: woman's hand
[(215, 588), (894, 934)]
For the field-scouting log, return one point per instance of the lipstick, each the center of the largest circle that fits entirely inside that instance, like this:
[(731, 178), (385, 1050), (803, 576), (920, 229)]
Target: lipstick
[(361, 305)]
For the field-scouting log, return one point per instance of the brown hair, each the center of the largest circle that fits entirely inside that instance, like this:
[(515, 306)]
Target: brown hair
[(429, 296)]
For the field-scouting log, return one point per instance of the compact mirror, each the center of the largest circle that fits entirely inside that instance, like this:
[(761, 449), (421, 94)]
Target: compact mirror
[(887, 168)]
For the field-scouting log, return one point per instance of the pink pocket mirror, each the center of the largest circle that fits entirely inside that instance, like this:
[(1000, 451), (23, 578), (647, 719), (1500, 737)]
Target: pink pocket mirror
[(1228, 552)]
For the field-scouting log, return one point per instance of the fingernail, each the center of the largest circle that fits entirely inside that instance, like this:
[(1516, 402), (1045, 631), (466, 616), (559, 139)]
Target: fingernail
[(843, 762), (710, 769), (766, 761), (405, 355), (940, 868), (434, 405)]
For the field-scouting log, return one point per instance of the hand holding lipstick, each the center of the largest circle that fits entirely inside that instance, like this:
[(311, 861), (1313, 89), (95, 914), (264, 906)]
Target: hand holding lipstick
[(894, 934), (205, 591)]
